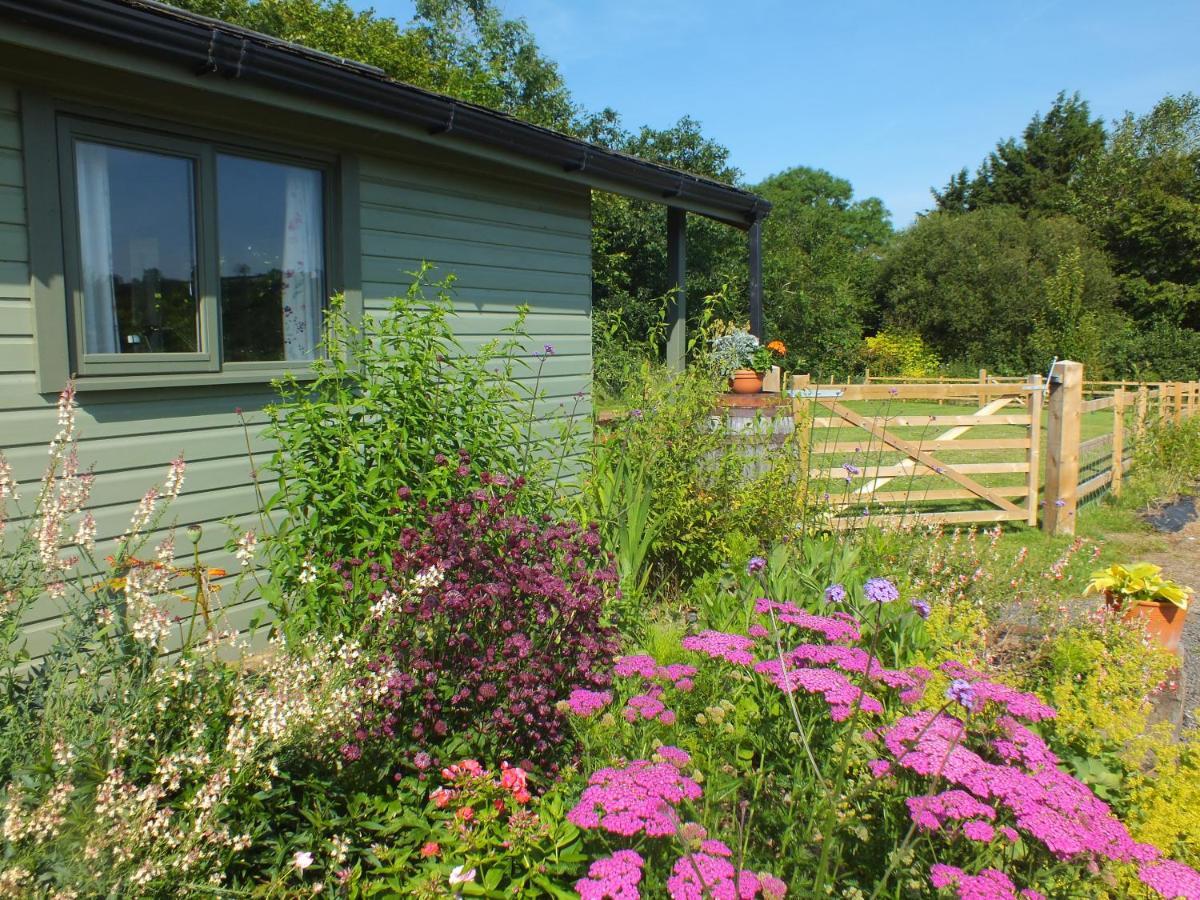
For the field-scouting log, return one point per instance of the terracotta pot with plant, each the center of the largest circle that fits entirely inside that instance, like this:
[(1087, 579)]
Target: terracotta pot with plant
[(740, 357), (1140, 592)]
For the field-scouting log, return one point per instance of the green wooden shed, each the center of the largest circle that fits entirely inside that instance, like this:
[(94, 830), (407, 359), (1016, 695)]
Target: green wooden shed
[(179, 196)]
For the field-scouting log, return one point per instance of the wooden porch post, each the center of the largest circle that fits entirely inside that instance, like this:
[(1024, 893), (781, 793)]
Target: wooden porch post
[(677, 276), (754, 240), (1062, 447)]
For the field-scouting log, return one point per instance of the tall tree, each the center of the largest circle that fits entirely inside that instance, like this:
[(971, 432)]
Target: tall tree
[(974, 286), (1141, 196), (1035, 173), (820, 251)]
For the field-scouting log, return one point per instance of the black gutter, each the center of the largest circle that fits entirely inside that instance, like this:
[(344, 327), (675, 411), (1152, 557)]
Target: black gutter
[(211, 48)]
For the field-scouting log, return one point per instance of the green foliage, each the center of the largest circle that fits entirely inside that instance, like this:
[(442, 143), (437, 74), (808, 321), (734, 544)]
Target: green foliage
[(975, 286), (1141, 197), (1065, 327), (464, 48), (629, 237), (820, 251), (899, 353), (1036, 173), (390, 402), (703, 492), (1170, 455)]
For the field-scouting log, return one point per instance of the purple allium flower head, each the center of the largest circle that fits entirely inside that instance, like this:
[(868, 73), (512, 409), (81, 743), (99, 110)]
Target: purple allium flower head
[(961, 692), (835, 593), (922, 607), (880, 590), (851, 468), (755, 565)]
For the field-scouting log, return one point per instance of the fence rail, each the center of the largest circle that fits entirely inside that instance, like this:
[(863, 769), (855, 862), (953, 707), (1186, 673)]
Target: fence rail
[(1014, 449)]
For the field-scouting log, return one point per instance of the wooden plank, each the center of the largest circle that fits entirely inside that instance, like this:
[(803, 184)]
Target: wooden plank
[(930, 391), (917, 471), (1062, 448), (930, 421), (916, 495), (951, 434), (1034, 480), (913, 450), (1095, 483), (935, 444), (1093, 444), (958, 517), (1118, 441), (1099, 403)]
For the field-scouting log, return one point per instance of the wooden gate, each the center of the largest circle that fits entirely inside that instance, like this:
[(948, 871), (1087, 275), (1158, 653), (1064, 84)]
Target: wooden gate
[(927, 453)]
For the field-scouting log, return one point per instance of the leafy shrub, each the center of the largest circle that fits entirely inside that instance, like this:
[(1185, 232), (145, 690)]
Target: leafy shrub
[(1170, 455), (124, 772), (482, 620), (901, 353), (704, 487), (389, 402), (476, 830)]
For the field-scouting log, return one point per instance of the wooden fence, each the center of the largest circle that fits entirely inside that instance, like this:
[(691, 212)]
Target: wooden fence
[(966, 450)]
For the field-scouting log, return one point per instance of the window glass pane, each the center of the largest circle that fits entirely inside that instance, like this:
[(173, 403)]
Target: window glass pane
[(138, 250), (271, 228)]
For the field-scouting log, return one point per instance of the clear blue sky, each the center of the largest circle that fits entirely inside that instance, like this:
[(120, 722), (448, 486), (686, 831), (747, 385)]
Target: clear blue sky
[(893, 96)]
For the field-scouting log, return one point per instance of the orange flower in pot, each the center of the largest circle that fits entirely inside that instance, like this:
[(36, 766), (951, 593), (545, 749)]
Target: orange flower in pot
[(1140, 592)]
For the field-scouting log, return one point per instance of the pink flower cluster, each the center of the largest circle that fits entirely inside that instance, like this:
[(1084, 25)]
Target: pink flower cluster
[(733, 648), (835, 687), (911, 682), (709, 875), (931, 812), (649, 706), (1044, 802), (583, 702), (613, 877), (640, 797), (989, 884), (839, 627), (1171, 879), (1019, 704)]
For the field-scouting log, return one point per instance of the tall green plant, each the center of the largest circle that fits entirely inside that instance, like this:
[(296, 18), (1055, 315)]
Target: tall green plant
[(397, 408)]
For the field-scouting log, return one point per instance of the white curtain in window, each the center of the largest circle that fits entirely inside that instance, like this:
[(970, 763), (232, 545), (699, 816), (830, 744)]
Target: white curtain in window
[(96, 248), (303, 264)]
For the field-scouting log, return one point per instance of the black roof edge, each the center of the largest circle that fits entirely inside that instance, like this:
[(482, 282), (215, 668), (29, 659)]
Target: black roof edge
[(218, 49)]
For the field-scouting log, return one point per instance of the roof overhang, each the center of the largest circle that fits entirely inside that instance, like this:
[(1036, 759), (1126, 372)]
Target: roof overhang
[(211, 48)]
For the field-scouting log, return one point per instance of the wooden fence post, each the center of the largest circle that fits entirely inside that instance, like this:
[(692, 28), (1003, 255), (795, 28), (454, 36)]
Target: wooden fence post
[(1178, 402), (982, 380), (1143, 402), (1062, 447), (1118, 441), (1034, 480)]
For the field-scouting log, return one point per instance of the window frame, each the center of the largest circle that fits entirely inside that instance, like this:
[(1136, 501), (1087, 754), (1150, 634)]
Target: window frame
[(50, 128)]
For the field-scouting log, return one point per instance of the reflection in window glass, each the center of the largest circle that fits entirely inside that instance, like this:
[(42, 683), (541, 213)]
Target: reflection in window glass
[(270, 222), (138, 250)]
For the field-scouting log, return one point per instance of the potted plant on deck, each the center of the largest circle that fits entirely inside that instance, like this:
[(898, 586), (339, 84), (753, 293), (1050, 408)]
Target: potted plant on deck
[(1140, 592), (740, 357)]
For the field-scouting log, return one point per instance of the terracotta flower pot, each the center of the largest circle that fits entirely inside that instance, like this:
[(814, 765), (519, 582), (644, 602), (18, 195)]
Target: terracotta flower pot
[(1163, 621), (746, 381)]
